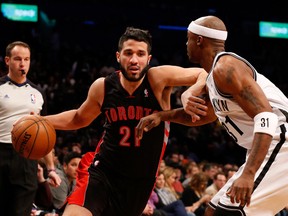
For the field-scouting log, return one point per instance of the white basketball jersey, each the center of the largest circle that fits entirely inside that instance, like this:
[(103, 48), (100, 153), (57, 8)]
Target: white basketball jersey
[(237, 123)]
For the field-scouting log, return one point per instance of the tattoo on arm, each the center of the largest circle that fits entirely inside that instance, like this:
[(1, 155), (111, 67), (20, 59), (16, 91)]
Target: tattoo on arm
[(247, 95)]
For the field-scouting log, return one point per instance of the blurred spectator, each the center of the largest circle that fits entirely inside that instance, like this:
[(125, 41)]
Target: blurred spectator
[(194, 195), (191, 169), (167, 200), (210, 169), (55, 159), (230, 169), (68, 176), (177, 184), (162, 165), (170, 178), (218, 182), (43, 198), (43, 205), (231, 172), (150, 208), (62, 151), (173, 159)]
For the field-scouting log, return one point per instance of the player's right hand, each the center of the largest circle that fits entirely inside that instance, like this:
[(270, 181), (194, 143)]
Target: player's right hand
[(146, 124)]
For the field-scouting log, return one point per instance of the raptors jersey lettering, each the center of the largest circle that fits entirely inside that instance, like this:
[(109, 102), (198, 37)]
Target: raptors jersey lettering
[(122, 173), (120, 151)]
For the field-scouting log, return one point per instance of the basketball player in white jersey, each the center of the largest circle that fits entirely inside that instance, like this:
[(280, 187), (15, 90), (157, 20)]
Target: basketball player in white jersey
[(252, 110)]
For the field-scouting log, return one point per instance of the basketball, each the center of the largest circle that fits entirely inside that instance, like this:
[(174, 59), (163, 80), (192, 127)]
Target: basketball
[(33, 136)]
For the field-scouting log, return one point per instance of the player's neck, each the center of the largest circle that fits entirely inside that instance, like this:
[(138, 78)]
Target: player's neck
[(130, 86)]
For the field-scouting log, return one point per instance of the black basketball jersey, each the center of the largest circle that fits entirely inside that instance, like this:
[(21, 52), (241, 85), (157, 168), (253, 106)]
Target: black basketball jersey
[(120, 151)]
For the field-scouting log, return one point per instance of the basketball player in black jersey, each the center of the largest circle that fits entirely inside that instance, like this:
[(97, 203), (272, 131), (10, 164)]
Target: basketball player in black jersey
[(122, 173)]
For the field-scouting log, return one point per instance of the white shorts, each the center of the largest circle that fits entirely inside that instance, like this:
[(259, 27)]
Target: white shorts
[(271, 194)]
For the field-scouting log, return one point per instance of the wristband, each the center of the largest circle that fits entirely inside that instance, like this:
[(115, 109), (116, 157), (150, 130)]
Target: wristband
[(265, 122)]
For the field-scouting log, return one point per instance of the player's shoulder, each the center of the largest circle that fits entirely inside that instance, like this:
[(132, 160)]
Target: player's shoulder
[(96, 90), (225, 65), (99, 81), (163, 68), (226, 60), (163, 72)]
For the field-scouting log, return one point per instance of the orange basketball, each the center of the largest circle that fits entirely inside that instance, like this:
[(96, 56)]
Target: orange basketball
[(33, 137)]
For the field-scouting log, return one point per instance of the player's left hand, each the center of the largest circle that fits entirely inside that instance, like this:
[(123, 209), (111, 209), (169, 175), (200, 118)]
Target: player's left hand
[(241, 190), (147, 123), (54, 179)]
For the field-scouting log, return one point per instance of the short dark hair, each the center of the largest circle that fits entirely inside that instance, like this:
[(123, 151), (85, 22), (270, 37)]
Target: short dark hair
[(71, 155), (136, 34), (218, 174), (16, 43)]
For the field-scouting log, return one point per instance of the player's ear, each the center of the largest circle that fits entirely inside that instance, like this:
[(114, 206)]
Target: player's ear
[(199, 39), (149, 58), (118, 57)]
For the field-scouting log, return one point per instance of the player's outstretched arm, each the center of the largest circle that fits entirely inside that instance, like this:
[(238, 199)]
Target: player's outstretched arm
[(85, 114), (178, 116)]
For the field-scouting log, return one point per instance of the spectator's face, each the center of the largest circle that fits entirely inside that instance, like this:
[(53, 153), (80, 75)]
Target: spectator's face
[(171, 179), (162, 165), (71, 167), (195, 170), (220, 181), (211, 172), (160, 181), (230, 173), (178, 174), (175, 158)]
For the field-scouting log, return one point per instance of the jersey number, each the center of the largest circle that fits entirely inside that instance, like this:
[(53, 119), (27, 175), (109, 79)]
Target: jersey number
[(229, 121), (126, 133)]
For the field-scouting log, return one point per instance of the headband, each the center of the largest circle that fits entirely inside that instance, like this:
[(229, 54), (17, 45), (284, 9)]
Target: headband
[(207, 32)]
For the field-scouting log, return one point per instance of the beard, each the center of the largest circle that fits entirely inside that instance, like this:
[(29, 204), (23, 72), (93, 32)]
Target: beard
[(134, 79)]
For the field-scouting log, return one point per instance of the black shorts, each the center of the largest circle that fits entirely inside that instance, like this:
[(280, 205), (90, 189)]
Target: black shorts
[(18, 181), (107, 194)]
